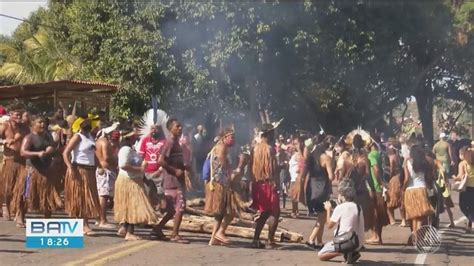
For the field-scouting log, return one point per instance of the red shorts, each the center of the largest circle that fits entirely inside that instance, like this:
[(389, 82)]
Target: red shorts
[(265, 198)]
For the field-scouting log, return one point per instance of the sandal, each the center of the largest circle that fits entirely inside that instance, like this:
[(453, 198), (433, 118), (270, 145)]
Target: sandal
[(159, 236), (179, 240)]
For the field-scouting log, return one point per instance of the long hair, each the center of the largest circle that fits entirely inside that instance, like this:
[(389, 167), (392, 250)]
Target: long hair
[(263, 163), (469, 156), (418, 155)]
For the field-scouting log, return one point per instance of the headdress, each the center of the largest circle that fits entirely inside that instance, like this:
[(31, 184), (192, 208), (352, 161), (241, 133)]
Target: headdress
[(151, 118), (359, 131)]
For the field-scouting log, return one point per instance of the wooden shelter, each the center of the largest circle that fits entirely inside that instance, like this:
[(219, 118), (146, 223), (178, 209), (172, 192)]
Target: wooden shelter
[(88, 93)]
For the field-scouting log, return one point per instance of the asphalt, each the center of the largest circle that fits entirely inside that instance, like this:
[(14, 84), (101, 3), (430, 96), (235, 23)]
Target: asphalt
[(108, 249)]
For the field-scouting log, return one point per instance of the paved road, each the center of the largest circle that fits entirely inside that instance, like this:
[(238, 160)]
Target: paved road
[(108, 249)]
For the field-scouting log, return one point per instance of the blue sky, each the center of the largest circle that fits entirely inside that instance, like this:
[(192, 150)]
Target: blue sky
[(18, 8)]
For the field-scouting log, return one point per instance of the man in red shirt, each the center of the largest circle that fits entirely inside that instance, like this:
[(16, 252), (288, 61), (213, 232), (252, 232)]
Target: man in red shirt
[(151, 148)]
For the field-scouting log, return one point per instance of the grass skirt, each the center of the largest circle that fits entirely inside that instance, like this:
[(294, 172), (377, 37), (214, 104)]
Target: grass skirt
[(58, 174), (219, 200), (417, 204), (11, 172), (394, 194), (131, 203), (368, 209), (42, 194), (80, 193)]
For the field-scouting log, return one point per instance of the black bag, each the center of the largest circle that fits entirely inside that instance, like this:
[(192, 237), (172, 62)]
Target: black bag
[(348, 241)]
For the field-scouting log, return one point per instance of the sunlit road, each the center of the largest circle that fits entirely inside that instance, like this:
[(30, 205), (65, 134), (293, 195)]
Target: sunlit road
[(107, 248)]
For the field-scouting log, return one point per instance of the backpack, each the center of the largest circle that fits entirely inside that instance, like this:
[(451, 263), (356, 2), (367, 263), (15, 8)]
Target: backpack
[(206, 169)]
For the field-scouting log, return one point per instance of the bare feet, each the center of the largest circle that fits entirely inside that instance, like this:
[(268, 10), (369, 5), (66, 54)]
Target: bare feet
[(122, 232), (107, 226), (222, 238), (178, 239), (132, 237)]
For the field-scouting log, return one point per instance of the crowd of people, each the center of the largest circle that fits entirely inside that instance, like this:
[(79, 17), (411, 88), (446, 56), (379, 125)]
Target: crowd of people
[(85, 164)]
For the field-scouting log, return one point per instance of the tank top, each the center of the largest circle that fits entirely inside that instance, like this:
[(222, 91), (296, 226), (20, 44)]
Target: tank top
[(218, 173), (470, 175), (417, 180), (84, 152), (40, 143)]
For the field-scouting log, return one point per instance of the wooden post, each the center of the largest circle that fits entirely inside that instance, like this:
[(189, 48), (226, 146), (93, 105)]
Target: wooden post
[(55, 98)]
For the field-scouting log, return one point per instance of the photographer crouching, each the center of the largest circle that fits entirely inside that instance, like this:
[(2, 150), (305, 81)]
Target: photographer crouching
[(349, 234)]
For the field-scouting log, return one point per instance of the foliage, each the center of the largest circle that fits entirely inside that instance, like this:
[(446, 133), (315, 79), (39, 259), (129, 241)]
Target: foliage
[(329, 63)]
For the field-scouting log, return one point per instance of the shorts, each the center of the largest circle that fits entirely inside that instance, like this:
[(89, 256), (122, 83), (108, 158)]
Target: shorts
[(327, 248), (105, 182), (175, 198)]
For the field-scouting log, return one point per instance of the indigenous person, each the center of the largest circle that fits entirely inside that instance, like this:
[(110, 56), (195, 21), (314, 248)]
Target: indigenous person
[(25, 118), (466, 198), (106, 172), (417, 175), (395, 196), (319, 165), (265, 182), (39, 187), (131, 204), (80, 187), (296, 166), (150, 149), (219, 199), (171, 159), (12, 133), (359, 173), (381, 216), (348, 217)]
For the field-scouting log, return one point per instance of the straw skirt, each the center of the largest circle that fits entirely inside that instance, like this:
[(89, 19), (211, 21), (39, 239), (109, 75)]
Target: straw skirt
[(394, 193), (219, 200), (10, 174), (42, 194), (131, 204), (417, 204), (80, 192)]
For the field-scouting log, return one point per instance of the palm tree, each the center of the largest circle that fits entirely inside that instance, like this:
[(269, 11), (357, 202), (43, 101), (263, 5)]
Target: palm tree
[(36, 59)]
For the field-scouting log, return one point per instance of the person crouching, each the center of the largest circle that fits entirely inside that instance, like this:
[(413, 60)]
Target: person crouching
[(348, 218)]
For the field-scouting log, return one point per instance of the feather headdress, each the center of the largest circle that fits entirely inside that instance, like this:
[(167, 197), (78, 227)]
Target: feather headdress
[(364, 134), (151, 118)]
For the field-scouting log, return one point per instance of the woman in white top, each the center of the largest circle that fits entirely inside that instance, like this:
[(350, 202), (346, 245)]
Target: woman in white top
[(417, 175), (295, 167), (131, 204), (80, 186)]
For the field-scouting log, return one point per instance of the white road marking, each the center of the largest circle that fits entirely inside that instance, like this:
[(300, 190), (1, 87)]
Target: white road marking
[(421, 258)]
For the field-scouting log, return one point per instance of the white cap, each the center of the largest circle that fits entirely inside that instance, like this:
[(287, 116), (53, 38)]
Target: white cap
[(442, 135)]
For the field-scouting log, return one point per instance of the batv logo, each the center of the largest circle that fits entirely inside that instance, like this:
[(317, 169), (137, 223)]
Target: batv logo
[(54, 233), (53, 227)]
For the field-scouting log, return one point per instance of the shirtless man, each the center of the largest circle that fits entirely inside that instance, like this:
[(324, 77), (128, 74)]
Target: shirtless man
[(12, 134), (106, 172)]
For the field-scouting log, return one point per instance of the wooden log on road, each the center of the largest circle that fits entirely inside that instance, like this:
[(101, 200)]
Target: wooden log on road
[(204, 224)]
